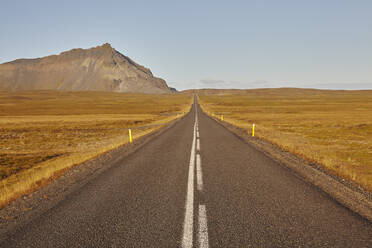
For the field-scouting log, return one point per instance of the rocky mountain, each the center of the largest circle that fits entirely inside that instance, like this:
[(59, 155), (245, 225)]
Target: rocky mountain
[(101, 68)]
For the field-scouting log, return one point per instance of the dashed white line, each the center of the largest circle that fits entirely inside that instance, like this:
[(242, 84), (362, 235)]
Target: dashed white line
[(198, 144), (199, 174), (203, 227)]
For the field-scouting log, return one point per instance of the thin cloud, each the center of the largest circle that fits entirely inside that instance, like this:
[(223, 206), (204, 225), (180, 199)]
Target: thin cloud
[(219, 83), (212, 82)]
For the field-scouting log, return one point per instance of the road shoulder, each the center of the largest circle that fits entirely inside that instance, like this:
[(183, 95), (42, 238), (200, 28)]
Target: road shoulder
[(344, 192)]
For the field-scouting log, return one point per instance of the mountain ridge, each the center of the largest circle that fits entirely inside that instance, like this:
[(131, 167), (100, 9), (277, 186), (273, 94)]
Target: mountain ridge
[(100, 68)]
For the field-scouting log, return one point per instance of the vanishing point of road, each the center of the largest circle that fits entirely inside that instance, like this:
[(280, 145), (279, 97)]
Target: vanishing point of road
[(195, 185)]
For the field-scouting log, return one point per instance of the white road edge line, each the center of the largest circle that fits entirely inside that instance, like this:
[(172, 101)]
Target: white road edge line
[(203, 228), (199, 174), (188, 224)]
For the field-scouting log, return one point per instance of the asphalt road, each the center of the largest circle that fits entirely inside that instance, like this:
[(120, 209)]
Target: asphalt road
[(195, 185)]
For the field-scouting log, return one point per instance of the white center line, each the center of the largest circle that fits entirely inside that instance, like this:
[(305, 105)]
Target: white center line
[(203, 228), (188, 225), (187, 238), (199, 174)]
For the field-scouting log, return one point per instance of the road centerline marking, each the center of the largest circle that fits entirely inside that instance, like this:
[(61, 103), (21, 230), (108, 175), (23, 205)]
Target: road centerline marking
[(203, 227), (188, 225), (199, 174)]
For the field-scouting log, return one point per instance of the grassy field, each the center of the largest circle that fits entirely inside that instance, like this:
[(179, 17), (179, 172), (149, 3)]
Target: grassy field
[(331, 128), (43, 133)]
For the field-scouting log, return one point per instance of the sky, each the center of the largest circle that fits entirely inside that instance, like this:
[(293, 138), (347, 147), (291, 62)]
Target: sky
[(206, 44)]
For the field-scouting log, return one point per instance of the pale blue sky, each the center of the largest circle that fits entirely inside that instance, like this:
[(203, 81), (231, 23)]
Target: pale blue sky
[(198, 44)]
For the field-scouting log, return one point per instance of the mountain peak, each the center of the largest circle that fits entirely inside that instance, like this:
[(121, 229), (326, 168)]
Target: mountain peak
[(105, 46)]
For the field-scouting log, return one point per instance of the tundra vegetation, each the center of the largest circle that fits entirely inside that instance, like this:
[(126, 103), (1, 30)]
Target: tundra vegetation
[(43, 133), (330, 128)]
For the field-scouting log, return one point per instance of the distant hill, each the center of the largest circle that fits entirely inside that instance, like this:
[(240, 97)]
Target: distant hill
[(174, 90), (101, 68), (268, 91)]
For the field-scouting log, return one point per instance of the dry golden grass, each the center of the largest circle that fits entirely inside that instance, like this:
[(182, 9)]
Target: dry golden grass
[(331, 128), (44, 133)]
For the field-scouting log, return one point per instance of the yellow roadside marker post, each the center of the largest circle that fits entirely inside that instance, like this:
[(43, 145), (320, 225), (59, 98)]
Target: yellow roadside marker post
[(130, 136), (253, 130), (221, 117)]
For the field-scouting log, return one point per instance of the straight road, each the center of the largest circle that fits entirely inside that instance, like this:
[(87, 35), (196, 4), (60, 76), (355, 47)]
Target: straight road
[(195, 185)]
